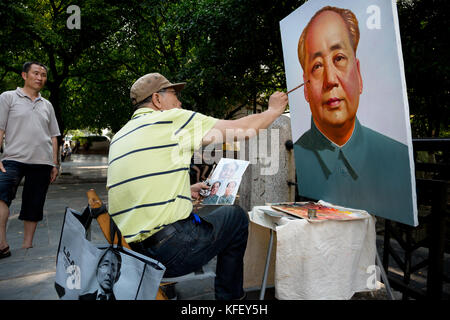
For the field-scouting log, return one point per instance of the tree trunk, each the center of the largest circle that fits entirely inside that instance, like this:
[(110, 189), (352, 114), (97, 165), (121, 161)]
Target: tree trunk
[(54, 99)]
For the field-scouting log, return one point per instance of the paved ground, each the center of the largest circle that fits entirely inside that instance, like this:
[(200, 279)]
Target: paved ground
[(29, 273)]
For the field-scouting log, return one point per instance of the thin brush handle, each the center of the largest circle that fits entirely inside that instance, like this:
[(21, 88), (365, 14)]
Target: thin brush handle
[(299, 86)]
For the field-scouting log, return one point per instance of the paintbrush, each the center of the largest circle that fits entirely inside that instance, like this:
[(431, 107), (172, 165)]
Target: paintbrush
[(299, 86)]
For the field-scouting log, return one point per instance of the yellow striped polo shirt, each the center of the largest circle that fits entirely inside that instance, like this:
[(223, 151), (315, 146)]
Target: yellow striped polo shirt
[(148, 169)]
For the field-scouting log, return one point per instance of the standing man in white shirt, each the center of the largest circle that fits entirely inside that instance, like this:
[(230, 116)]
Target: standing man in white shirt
[(29, 127)]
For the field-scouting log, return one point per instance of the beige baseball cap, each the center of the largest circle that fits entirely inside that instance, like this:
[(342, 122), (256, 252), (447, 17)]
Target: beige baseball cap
[(147, 85)]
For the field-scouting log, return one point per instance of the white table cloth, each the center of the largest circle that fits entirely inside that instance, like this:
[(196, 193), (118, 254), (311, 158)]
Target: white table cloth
[(320, 260)]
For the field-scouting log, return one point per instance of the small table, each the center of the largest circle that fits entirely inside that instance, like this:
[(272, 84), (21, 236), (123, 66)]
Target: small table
[(319, 260)]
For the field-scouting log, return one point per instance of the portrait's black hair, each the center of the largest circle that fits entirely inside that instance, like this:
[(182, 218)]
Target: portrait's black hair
[(231, 183), (350, 21)]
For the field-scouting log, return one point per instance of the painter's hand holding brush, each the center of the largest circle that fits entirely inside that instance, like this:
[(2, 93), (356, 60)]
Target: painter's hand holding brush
[(277, 102), (198, 189)]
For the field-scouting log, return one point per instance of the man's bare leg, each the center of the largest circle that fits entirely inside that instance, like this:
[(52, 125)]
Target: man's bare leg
[(29, 229), (4, 215)]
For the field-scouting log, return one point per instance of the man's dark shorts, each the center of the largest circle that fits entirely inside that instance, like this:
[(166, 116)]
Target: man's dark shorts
[(37, 180)]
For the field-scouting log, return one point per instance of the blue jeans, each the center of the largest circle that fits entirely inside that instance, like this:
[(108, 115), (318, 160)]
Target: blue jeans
[(222, 233)]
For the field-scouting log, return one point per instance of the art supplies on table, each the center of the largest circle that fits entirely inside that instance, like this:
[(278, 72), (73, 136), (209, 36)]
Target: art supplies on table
[(316, 211)]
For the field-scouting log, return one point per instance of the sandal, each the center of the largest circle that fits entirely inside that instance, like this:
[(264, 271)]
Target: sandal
[(4, 253)]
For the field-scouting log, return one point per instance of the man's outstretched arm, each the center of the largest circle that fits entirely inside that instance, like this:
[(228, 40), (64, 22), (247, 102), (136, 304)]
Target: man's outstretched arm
[(247, 127)]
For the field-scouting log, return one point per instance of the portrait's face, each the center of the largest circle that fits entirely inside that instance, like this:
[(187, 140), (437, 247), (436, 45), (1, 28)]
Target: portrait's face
[(215, 187), (36, 77), (230, 188), (333, 72), (107, 271), (228, 171)]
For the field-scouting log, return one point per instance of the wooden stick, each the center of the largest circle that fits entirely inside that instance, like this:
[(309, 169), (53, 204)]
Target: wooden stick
[(299, 86), (103, 219)]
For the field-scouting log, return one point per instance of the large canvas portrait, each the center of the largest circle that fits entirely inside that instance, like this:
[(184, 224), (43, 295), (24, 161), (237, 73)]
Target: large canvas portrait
[(350, 119)]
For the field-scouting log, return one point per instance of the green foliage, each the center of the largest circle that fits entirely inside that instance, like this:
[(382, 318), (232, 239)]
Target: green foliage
[(424, 27), (81, 83), (228, 51), (83, 140)]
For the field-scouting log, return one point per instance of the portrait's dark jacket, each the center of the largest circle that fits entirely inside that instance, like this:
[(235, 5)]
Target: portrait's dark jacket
[(370, 172), (93, 296)]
